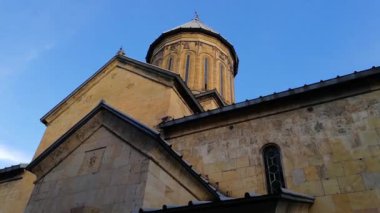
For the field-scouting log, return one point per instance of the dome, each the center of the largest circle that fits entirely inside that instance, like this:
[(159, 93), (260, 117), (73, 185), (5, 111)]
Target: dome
[(195, 25)]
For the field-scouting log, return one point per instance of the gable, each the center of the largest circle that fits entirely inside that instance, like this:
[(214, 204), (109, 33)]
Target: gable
[(144, 69), (100, 174), (210, 100), (126, 86), (104, 134)]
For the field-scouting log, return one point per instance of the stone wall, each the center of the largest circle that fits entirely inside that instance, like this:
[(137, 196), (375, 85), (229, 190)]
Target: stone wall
[(208, 103), (14, 194), (330, 149), (103, 173), (109, 164), (121, 87), (161, 188)]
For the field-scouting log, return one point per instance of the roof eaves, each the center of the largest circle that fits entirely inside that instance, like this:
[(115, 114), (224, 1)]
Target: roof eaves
[(185, 90), (248, 103), (101, 105), (214, 93), (247, 198), (189, 168), (150, 132), (13, 168), (43, 119), (167, 147)]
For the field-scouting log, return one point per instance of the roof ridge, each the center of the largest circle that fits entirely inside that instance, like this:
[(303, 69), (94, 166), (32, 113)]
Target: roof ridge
[(193, 103)]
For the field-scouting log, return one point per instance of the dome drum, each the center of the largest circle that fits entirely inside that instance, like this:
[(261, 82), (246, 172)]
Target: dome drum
[(201, 56)]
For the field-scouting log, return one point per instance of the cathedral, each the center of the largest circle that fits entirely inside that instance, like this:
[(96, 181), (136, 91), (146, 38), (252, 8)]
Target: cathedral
[(166, 135)]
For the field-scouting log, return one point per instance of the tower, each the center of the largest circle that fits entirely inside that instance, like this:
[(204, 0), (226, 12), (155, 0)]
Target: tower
[(200, 55)]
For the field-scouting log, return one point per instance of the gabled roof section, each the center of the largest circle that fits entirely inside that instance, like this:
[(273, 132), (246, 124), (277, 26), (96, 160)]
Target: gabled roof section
[(183, 90), (146, 130), (369, 74), (212, 93)]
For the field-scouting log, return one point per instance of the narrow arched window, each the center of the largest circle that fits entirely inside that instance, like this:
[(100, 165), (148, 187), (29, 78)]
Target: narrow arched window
[(170, 63), (273, 169), (187, 67), (221, 78), (231, 87), (206, 72)]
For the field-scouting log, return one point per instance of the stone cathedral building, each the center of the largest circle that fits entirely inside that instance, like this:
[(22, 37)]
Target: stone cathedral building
[(167, 136)]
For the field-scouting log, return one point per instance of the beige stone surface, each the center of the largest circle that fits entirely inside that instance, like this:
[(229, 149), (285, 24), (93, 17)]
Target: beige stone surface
[(198, 46), (329, 150), (73, 183), (161, 188), (341, 203), (208, 104), (323, 204), (110, 165), (125, 87), (331, 186), (351, 183), (14, 195), (364, 200)]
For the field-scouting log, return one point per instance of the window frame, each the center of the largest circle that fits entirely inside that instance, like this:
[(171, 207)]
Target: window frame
[(170, 63), (271, 188), (205, 70), (187, 68), (221, 72)]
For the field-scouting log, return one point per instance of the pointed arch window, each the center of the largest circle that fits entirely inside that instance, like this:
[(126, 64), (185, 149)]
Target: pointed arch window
[(221, 79), (187, 67), (273, 169), (205, 72), (170, 63)]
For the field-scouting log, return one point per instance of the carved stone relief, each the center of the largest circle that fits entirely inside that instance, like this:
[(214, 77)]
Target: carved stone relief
[(92, 161), (173, 47), (186, 45)]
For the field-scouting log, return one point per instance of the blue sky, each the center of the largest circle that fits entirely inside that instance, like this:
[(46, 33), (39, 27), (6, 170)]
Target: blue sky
[(47, 48)]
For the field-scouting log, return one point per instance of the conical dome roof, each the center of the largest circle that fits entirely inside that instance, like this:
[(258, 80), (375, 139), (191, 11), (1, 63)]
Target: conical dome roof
[(195, 25)]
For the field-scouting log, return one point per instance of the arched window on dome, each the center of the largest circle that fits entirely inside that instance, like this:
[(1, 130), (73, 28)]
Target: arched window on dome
[(205, 73), (187, 68), (221, 78), (231, 87), (273, 169), (170, 63)]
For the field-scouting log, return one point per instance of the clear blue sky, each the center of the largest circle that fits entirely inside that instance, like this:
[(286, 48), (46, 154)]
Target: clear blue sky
[(47, 48)]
